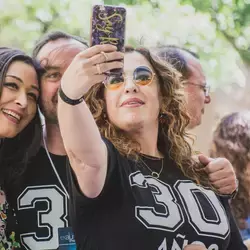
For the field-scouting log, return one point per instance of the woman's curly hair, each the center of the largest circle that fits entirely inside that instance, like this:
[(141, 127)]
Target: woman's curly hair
[(173, 119), (231, 140)]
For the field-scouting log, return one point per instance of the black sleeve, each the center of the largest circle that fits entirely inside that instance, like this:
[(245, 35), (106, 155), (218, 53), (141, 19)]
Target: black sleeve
[(86, 211), (236, 241), (74, 189)]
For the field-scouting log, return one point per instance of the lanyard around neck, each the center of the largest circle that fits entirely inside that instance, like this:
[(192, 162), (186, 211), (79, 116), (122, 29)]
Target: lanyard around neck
[(42, 119), (54, 168)]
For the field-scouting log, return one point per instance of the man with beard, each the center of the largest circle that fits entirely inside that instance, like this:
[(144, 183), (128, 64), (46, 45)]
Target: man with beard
[(195, 86), (41, 197)]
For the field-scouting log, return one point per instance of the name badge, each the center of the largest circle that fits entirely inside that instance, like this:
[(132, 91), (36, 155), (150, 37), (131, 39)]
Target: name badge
[(66, 239)]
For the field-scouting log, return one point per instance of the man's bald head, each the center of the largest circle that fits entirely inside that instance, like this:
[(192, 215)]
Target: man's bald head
[(178, 57), (196, 89)]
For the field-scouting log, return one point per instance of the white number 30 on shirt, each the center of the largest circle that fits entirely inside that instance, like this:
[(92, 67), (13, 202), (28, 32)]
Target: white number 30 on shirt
[(172, 217)]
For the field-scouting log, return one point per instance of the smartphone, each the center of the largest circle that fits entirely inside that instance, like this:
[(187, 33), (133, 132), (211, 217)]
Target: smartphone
[(108, 27)]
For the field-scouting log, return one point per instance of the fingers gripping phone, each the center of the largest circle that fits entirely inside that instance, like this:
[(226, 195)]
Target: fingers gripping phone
[(108, 27)]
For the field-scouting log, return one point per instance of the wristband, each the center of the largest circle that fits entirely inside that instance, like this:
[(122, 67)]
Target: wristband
[(67, 99)]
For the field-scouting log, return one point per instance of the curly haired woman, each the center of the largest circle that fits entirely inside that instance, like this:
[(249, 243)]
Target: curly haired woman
[(133, 181), (231, 139)]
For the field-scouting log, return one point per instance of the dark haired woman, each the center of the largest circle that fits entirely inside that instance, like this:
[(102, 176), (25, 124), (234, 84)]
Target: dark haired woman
[(20, 129)]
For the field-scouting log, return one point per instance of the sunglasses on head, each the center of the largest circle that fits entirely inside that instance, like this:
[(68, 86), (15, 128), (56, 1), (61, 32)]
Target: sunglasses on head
[(142, 76)]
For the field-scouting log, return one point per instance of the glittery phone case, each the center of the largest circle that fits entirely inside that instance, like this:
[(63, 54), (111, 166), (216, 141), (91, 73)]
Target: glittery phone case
[(108, 27)]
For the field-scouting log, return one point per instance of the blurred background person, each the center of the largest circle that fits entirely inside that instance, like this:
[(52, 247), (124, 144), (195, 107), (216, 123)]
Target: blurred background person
[(231, 140), (195, 85)]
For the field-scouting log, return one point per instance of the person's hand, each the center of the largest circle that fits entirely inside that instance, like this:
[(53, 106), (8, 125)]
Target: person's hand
[(247, 243), (221, 174), (194, 247), (88, 68)]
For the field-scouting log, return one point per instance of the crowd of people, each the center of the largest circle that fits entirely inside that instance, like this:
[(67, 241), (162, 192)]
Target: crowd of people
[(113, 166)]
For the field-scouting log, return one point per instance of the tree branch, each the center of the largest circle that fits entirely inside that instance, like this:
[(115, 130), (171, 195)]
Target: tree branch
[(244, 54)]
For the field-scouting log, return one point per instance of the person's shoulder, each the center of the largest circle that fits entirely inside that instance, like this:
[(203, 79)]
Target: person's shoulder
[(225, 202), (110, 146), (39, 157), (40, 153), (107, 141)]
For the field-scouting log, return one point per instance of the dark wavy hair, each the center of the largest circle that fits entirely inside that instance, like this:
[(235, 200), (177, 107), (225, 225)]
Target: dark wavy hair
[(172, 136), (231, 140), (15, 152)]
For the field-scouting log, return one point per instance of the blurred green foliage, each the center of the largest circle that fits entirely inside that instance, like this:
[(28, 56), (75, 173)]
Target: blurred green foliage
[(218, 30), (232, 19)]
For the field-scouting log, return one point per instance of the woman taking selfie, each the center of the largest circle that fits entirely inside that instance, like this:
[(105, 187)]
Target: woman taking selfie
[(133, 181), (20, 129)]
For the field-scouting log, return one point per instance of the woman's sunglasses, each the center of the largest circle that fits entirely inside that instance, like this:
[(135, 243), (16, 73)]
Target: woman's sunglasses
[(142, 76)]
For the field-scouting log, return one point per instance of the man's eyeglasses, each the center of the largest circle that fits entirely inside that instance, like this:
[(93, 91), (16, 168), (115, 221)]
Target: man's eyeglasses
[(205, 88), (142, 76)]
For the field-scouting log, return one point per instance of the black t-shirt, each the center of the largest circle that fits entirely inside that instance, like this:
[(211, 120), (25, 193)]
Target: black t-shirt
[(138, 212), (40, 202)]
